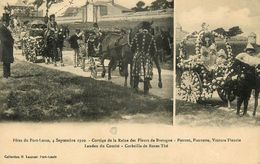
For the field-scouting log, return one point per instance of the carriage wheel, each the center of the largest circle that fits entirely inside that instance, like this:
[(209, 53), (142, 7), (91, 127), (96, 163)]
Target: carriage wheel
[(191, 86), (223, 95)]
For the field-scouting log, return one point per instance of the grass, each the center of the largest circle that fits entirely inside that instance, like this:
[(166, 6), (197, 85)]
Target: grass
[(40, 94)]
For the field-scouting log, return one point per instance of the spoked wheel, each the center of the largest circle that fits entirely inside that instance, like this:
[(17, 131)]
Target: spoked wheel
[(223, 94), (191, 86)]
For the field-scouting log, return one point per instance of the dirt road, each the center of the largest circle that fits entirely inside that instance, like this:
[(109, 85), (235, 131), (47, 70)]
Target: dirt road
[(214, 112), (167, 75)]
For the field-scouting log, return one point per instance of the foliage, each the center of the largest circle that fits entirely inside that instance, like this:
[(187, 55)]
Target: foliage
[(140, 6), (161, 4), (38, 3), (156, 5)]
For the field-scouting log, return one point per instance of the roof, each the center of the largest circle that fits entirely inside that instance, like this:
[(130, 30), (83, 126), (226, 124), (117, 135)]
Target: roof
[(71, 11), (106, 3), (122, 8), (21, 3)]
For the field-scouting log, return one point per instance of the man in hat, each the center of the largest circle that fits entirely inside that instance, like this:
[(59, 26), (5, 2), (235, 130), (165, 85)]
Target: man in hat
[(252, 40), (74, 44), (52, 26), (144, 48), (52, 30), (6, 46), (97, 30)]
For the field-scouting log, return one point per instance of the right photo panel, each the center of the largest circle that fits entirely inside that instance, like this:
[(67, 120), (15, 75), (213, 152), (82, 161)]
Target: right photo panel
[(217, 63)]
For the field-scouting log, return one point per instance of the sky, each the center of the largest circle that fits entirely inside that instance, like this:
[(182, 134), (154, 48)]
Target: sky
[(62, 6), (219, 13)]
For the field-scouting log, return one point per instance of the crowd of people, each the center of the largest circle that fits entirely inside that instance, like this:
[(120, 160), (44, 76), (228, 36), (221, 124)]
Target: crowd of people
[(143, 46)]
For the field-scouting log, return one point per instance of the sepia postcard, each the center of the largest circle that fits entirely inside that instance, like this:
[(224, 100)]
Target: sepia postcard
[(118, 81)]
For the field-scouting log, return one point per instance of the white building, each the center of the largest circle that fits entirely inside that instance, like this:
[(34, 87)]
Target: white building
[(92, 12)]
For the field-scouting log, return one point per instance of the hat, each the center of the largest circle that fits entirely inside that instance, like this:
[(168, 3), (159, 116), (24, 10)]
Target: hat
[(222, 53), (249, 46), (5, 17), (52, 16), (252, 34), (95, 25), (146, 25)]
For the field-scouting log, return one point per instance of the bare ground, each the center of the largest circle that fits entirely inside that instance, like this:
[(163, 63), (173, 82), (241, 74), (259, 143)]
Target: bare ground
[(214, 113)]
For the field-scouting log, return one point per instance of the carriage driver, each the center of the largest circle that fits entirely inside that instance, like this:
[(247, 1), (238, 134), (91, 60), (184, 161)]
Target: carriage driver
[(144, 47), (52, 26)]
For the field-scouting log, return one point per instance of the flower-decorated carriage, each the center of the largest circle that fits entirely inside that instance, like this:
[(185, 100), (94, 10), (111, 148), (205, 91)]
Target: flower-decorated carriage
[(33, 42), (205, 71)]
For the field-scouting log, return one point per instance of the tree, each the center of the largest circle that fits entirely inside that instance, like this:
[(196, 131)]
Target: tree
[(37, 3), (140, 6), (161, 4), (49, 3)]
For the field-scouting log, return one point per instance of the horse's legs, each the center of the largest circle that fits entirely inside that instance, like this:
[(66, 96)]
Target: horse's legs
[(239, 103), (156, 61), (75, 58), (55, 56), (61, 57), (125, 69), (131, 75), (246, 99), (228, 98), (146, 86), (136, 82), (110, 65), (103, 66), (256, 100)]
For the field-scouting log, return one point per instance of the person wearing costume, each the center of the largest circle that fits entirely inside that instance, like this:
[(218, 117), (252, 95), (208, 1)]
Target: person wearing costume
[(144, 48), (6, 46)]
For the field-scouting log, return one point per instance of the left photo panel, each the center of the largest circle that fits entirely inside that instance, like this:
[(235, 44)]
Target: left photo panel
[(87, 61)]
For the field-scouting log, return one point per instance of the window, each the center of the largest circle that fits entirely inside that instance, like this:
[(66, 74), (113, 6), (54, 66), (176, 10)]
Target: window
[(103, 10)]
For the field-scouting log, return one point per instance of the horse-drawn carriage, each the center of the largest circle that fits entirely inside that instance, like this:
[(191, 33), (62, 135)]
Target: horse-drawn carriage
[(206, 70), (33, 44), (99, 47)]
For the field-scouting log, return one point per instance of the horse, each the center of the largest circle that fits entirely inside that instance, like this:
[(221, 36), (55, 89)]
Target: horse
[(63, 33), (116, 47), (111, 48), (164, 43), (242, 79)]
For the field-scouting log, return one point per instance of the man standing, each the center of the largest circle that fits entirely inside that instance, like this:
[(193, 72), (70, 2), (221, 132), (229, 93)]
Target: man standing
[(252, 40), (6, 46), (51, 36), (74, 44), (144, 48)]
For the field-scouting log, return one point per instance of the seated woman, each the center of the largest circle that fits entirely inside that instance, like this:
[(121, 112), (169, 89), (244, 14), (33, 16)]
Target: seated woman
[(209, 56)]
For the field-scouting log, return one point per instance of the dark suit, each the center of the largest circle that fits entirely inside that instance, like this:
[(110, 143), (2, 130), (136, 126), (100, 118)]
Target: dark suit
[(6, 50)]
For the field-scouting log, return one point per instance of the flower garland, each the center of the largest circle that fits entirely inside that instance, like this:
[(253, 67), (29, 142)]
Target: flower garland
[(211, 81)]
